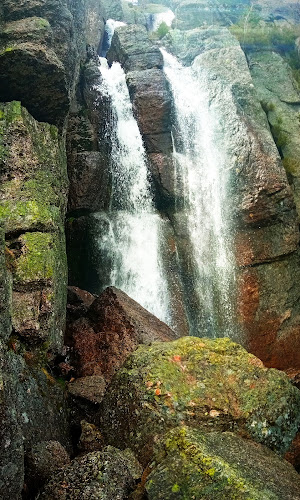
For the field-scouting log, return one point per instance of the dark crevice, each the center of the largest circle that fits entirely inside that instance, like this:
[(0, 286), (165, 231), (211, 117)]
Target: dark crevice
[(12, 235), (269, 261)]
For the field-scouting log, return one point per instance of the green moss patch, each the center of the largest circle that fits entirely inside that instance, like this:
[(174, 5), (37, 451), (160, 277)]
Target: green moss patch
[(203, 383), (192, 464), (37, 258)]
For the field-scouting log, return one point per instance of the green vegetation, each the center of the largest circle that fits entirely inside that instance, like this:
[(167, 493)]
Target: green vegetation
[(216, 465), (282, 38), (291, 165), (162, 30), (251, 31), (37, 259), (153, 8)]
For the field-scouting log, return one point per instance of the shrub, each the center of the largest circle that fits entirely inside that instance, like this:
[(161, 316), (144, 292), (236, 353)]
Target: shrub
[(162, 30)]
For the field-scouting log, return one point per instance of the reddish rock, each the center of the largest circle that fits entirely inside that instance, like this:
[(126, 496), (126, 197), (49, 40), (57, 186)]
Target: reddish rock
[(115, 311), (293, 454), (152, 100), (163, 173), (86, 348), (115, 325), (266, 312), (78, 297), (78, 303)]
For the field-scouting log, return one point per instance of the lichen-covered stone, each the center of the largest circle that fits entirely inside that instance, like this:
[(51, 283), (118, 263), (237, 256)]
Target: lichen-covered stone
[(192, 464), (187, 44), (102, 475), (213, 384), (279, 94), (90, 439), (42, 461), (33, 409)]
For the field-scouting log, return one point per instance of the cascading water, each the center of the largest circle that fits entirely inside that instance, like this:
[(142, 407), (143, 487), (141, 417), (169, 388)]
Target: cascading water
[(201, 164), (130, 237), (110, 27), (155, 20)]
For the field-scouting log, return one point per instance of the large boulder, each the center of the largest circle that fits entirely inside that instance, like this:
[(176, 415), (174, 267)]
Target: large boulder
[(114, 326), (43, 460), (104, 475), (133, 49), (41, 46), (192, 464), (211, 384)]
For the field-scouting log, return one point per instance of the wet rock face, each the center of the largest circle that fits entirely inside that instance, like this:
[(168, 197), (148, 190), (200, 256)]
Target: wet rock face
[(279, 94), (264, 219), (212, 384), (113, 327), (106, 475), (132, 48), (87, 150), (191, 464)]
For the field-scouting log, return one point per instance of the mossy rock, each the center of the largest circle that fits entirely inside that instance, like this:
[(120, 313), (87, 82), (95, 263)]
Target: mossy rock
[(192, 464), (37, 262), (27, 29), (33, 197), (34, 181), (207, 383)]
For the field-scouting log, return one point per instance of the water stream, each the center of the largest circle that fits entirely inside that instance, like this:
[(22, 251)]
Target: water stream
[(202, 163), (131, 230)]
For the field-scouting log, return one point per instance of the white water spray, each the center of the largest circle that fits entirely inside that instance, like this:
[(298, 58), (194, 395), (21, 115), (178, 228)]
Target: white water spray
[(131, 229), (167, 17), (202, 165)]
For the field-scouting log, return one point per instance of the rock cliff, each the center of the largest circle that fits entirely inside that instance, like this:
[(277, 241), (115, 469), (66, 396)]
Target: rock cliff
[(42, 45), (56, 177)]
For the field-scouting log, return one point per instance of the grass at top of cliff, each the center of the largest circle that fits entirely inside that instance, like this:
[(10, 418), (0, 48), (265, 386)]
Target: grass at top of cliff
[(153, 8), (266, 35)]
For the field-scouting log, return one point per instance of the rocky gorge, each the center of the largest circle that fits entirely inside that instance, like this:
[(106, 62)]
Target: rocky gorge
[(149, 219)]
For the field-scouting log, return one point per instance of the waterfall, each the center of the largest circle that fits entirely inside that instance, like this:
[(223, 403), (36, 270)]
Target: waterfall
[(110, 27), (155, 20), (202, 168), (130, 239)]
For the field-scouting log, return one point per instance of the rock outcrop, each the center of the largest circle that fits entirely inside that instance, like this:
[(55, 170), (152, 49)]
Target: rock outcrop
[(215, 465), (208, 384), (106, 475), (42, 45), (33, 201), (112, 328)]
